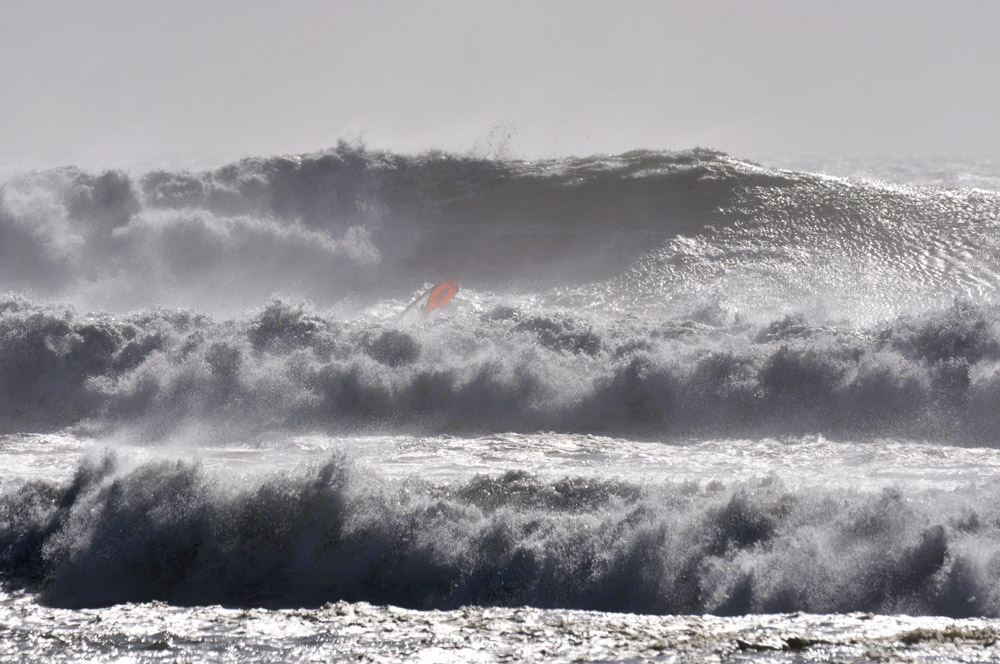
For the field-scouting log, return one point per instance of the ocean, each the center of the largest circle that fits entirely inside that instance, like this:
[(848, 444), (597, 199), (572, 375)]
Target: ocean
[(685, 407)]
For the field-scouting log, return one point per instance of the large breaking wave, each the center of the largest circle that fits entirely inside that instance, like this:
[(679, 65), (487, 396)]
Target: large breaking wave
[(931, 376), (352, 225), (173, 532)]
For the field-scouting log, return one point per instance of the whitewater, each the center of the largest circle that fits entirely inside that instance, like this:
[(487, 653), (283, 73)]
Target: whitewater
[(685, 407)]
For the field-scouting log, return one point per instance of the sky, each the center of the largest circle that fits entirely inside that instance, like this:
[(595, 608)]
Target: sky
[(112, 81)]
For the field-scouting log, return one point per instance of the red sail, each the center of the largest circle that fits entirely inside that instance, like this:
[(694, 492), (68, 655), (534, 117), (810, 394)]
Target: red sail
[(428, 303), (441, 294)]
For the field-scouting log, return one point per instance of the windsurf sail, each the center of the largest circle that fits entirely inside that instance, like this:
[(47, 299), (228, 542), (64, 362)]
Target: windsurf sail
[(429, 303)]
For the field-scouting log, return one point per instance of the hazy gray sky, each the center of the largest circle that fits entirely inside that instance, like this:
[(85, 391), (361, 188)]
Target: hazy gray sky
[(118, 80)]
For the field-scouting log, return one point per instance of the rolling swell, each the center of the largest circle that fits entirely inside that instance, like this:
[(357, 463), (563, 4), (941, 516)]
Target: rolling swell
[(169, 531), (931, 376)]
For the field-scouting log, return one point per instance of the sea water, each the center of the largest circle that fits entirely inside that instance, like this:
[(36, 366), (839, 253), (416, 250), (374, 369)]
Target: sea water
[(684, 408)]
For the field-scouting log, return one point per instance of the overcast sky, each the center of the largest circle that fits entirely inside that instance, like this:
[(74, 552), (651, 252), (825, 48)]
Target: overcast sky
[(98, 80)]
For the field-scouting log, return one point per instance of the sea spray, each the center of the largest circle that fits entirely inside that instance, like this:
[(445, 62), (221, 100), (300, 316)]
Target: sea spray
[(922, 376), (170, 531)]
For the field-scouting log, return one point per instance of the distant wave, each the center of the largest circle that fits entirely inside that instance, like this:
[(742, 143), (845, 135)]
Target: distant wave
[(365, 225), (934, 376), (169, 531)]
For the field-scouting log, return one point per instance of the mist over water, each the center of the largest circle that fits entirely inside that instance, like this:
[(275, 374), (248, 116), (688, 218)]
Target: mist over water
[(681, 301)]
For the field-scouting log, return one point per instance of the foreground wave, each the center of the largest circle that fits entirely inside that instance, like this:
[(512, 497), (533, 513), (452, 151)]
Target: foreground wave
[(502, 368), (170, 531)]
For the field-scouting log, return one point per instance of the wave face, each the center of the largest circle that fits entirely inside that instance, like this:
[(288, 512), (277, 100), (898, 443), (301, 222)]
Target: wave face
[(169, 531), (932, 376), (638, 230)]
